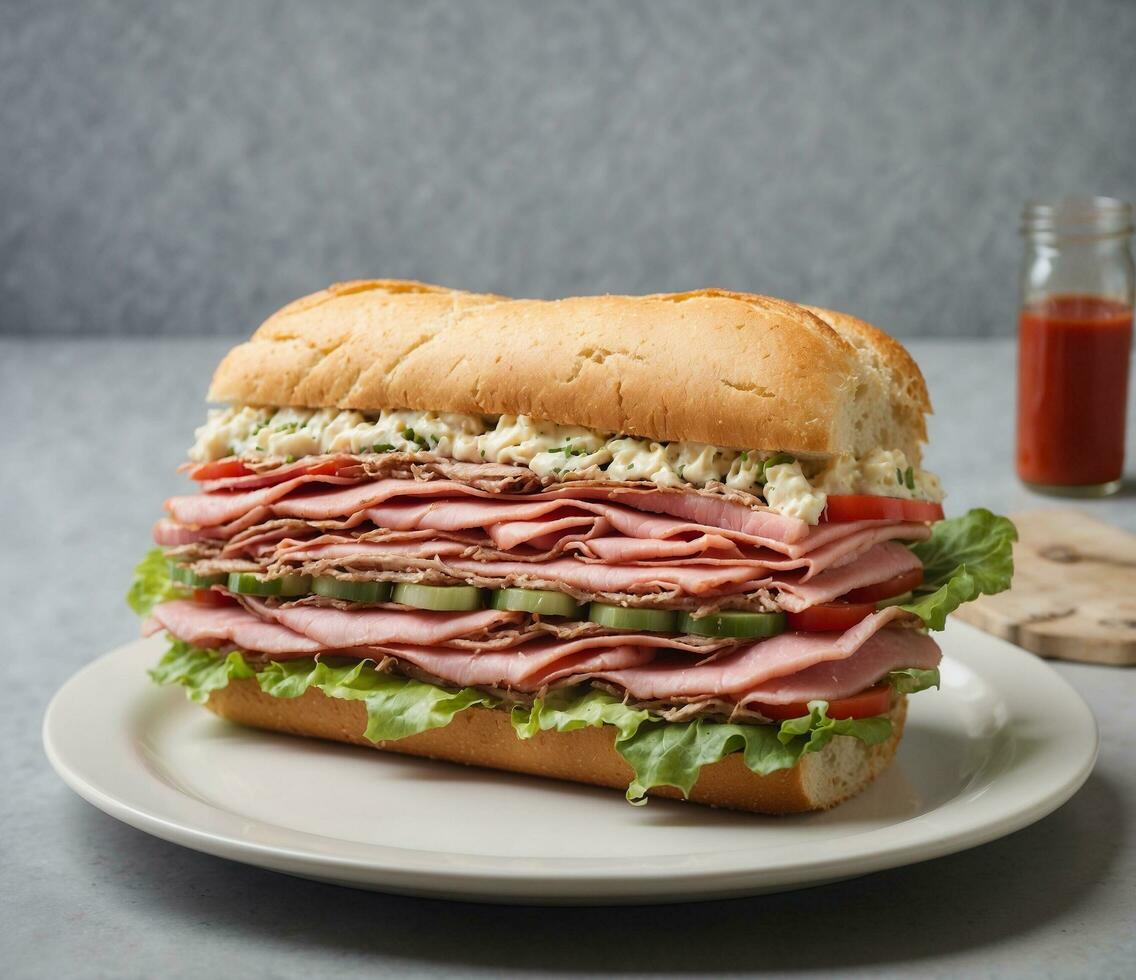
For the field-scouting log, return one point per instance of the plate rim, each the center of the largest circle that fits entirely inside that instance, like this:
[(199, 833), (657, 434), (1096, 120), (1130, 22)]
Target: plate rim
[(528, 879)]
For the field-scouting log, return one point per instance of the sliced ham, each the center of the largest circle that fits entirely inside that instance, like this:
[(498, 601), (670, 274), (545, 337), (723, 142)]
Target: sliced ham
[(718, 512), (645, 538), (741, 671), (527, 671), (263, 538), (878, 564), (713, 548), (512, 521), (884, 652), (536, 665), (492, 477), (691, 579), (709, 506), (796, 591), (338, 629), (545, 534), (280, 474), (171, 534), (788, 668), (211, 509), (450, 506), (212, 626)]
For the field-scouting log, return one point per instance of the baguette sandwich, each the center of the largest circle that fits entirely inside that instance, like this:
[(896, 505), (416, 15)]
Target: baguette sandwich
[(682, 545)]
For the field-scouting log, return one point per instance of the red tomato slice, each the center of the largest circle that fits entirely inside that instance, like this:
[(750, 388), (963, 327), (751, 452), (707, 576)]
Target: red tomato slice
[(219, 470), (866, 507), (211, 597), (835, 616), (867, 704), (885, 590)]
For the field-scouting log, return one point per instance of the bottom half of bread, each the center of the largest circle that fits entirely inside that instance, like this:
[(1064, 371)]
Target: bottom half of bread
[(485, 737)]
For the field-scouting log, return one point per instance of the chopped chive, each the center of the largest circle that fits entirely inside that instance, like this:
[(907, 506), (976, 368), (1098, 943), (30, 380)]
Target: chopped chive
[(777, 459)]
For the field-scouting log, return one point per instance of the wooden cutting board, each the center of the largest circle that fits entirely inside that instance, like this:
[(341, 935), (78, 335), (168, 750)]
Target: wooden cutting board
[(1074, 591)]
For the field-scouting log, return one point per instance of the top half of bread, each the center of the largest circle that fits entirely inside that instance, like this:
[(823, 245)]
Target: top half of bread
[(728, 369)]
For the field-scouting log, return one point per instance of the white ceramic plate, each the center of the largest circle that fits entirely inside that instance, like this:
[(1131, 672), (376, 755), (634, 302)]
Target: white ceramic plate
[(1005, 742)]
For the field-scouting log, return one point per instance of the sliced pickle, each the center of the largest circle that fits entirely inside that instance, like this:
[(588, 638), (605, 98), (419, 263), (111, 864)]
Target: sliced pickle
[(733, 623), (338, 588), (543, 602), (246, 583), (444, 598), (184, 575), (625, 618)]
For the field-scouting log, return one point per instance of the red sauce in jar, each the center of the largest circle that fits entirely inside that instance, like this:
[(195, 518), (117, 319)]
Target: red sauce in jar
[(1072, 389)]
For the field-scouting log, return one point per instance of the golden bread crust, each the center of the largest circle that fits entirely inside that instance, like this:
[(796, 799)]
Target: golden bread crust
[(711, 366), (485, 737)]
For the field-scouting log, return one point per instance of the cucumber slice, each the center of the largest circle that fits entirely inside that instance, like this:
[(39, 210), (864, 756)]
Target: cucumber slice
[(895, 600), (446, 598), (544, 602), (337, 588), (184, 575), (625, 618), (246, 583), (735, 623)]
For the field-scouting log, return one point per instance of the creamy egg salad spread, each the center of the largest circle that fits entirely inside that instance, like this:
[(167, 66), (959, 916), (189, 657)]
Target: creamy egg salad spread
[(793, 486)]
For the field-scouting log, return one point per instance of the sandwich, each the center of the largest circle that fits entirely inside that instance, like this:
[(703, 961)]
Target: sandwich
[(681, 545)]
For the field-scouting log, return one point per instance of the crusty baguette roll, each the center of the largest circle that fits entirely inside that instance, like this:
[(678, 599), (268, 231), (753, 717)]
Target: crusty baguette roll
[(484, 737), (734, 370)]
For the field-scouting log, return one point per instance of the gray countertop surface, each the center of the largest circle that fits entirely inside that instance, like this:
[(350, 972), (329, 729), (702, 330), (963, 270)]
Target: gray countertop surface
[(99, 428)]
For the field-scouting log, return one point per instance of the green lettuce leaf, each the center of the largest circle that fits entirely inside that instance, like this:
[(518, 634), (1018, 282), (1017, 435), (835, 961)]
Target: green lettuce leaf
[(151, 583), (567, 709), (396, 706), (673, 753), (199, 671), (965, 557), (912, 680), (664, 753)]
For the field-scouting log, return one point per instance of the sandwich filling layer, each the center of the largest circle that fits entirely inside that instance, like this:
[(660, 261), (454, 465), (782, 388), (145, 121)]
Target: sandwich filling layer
[(701, 612), (793, 485)]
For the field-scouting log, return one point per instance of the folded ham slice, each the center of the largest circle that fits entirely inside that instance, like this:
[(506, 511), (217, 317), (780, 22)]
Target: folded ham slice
[(742, 670), (531, 671), (493, 477), (339, 629), (884, 652), (280, 474), (215, 626), (879, 564), (211, 509)]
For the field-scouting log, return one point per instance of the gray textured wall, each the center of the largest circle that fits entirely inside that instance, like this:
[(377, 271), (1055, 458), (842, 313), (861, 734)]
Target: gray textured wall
[(186, 167)]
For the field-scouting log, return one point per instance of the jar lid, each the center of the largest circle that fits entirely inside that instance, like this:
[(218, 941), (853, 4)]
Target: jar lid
[(1077, 217)]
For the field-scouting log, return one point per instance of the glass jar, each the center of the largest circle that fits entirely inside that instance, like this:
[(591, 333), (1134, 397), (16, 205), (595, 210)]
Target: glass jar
[(1074, 342)]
